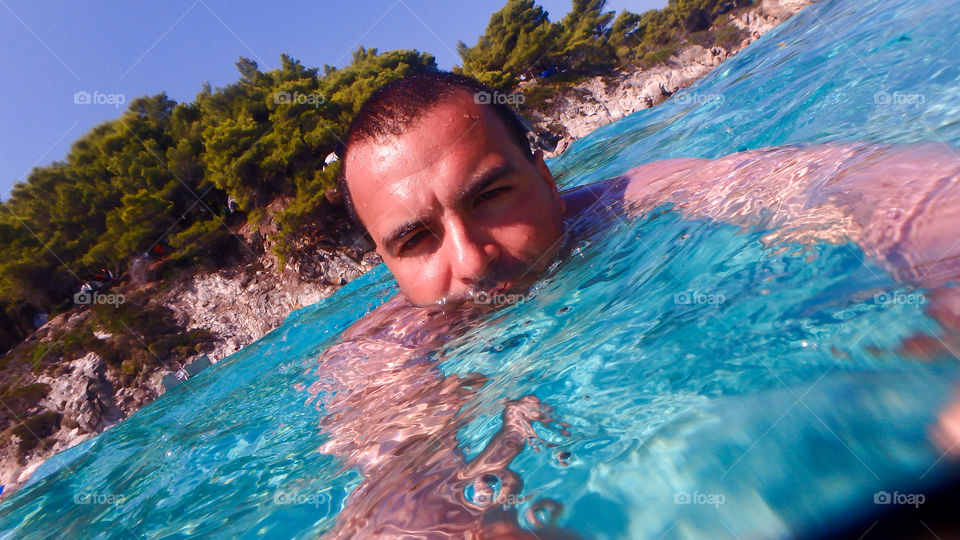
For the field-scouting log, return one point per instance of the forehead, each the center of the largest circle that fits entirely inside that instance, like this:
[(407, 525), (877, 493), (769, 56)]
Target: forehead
[(394, 176)]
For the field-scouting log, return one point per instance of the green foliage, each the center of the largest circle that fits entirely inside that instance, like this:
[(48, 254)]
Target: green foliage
[(585, 36), (19, 401), (34, 429), (730, 36), (626, 35), (74, 343), (517, 39), (521, 40), (205, 244), (164, 172), (656, 57)]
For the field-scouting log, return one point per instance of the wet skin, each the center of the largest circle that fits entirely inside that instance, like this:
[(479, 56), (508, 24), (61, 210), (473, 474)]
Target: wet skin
[(455, 208)]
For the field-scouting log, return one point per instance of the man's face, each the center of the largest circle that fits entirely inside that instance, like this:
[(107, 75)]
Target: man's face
[(454, 206)]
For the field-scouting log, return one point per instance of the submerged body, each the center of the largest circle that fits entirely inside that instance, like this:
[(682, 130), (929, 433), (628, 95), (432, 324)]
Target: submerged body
[(394, 416)]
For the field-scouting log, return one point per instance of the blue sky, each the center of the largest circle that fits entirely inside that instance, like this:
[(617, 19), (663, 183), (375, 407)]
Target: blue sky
[(52, 50)]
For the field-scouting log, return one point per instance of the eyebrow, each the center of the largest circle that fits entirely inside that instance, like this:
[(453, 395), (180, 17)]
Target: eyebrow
[(471, 190)]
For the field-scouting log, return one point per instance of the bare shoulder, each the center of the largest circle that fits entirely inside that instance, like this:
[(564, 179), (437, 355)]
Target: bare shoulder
[(640, 184), (690, 180), (649, 182)]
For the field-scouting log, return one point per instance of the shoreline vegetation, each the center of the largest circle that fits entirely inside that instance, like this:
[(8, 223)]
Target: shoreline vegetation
[(180, 231)]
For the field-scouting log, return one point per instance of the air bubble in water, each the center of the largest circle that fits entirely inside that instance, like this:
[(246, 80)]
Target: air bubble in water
[(483, 491), (543, 512), (580, 247)]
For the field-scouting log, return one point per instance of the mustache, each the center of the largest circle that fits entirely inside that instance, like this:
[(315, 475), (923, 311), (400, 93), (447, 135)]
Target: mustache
[(486, 286)]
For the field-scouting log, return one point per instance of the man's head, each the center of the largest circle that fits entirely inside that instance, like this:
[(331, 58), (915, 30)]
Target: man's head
[(445, 183)]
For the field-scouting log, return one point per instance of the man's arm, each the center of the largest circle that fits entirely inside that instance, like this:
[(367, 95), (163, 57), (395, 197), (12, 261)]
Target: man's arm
[(900, 203)]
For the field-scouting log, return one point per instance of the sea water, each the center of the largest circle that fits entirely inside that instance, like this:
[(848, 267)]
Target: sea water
[(713, 385)]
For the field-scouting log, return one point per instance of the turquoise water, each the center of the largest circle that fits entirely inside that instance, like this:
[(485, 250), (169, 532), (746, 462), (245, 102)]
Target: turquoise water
[(774, 402)]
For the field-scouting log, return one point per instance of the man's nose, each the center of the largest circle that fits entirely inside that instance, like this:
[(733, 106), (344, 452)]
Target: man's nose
[(472, 254)]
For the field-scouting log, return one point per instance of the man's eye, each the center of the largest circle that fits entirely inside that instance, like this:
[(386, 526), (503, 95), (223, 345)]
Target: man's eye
[(492, 193), (414, 240)]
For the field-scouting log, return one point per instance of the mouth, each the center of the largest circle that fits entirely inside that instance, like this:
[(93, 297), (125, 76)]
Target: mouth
[(485, 293), (502, 287), (488, 294)]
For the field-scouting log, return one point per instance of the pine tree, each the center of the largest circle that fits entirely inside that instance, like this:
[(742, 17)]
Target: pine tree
[(584, 36), (518, 40)]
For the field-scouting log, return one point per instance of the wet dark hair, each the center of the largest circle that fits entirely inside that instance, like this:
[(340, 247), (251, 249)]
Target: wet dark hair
[(399, 104)]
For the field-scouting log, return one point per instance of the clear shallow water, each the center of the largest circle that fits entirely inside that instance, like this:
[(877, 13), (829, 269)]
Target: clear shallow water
[(788, 398)]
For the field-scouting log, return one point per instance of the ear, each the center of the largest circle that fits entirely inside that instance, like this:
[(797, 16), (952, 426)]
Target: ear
[(547, 177), (543, 170)]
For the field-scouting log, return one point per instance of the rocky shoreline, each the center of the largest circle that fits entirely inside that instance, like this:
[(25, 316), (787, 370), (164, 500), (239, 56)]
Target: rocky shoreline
[(604, 99), (237, 305), (241, 304)]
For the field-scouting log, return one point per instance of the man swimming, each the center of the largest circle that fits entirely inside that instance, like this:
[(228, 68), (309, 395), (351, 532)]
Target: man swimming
[(444, 181)]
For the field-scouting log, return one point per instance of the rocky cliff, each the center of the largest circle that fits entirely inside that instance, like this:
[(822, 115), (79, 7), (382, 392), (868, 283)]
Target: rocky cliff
[(236, 305)]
